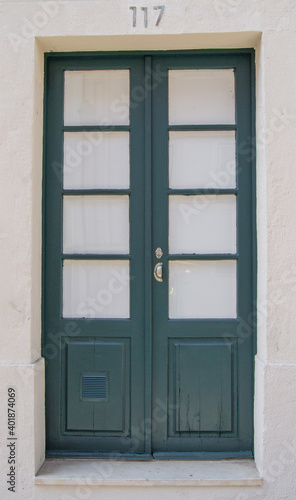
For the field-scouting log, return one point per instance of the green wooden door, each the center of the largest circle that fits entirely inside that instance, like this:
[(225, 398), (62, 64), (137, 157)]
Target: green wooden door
[(144, 349), (202, 219)]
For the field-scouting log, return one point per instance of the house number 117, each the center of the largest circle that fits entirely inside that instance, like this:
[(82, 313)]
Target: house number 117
[(145, 15)]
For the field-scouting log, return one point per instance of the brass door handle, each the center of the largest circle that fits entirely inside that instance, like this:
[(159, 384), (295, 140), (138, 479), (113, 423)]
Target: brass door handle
[(158, 271)]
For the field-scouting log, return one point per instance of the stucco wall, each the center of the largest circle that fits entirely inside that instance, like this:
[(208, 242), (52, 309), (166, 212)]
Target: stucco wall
[(30, 28)]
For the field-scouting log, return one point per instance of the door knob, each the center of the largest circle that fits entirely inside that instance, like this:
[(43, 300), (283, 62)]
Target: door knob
[(158, 271)]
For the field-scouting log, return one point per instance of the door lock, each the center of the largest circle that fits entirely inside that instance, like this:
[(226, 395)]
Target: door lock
[(158, 253)]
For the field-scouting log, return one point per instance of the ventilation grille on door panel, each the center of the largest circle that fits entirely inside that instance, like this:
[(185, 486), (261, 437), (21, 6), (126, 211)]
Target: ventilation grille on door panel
[(94, 387)]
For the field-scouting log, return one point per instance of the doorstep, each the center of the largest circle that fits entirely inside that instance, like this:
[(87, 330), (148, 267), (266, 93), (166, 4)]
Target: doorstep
[(153, 473)]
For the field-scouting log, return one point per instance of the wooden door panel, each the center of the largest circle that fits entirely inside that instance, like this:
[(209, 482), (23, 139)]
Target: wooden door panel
[(98, 386), (202, 386)]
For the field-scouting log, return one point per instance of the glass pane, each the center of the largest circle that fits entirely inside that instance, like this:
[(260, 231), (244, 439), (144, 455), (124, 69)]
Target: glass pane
[(99, 97), (202, 160), (96, 160), (96, 289), (202, 289), (199, 97), (202, 224), (96, 224)]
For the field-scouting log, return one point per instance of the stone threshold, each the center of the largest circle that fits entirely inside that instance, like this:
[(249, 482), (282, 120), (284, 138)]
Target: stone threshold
[(151, 473)]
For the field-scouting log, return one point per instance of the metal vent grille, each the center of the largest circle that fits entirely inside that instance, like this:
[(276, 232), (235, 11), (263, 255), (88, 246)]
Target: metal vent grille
[(94, 387)]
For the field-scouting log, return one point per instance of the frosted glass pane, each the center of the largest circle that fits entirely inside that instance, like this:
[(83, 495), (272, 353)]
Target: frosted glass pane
[(202, 289), (96, 289), (96, 160), (202, 224), (99, 97), (198, 97), (202, 160), (96, 224)]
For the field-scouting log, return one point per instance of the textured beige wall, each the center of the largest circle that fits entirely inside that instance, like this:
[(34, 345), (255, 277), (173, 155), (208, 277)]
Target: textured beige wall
[(28, 29)]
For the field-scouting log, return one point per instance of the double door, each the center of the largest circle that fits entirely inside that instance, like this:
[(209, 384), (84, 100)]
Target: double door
[(148, 255)]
